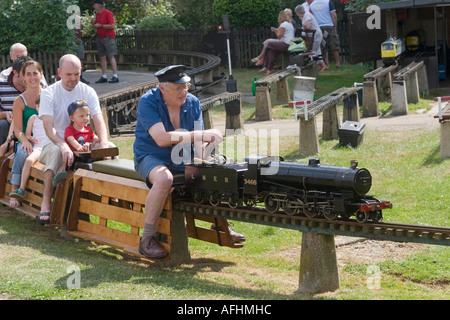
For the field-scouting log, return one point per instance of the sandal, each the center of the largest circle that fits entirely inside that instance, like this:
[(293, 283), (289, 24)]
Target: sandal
[(59, 176), (43, 218), (18, 194), (13, 203)]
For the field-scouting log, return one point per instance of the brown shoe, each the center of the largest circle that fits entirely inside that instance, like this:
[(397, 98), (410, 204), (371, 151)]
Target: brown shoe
[(150, 248), (237, 237)]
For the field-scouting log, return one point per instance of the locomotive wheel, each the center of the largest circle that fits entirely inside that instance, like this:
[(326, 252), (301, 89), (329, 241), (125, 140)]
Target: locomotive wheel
[(214, 200), (329, 214), (377, 216), (310, 211), (288, 206), (361, 217), (232, 204), (198, 198), (271, 203)]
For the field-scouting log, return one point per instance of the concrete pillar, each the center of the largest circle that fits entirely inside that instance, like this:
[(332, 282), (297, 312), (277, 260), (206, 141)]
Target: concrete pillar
[(330, 130), (370, 99), (308, 138), (399, 98), (422, 79), (384, 85), (282, 93), (412, 88), (234, 117), (318, 264), (445, 139), (180, 246), (351, 109), (263, 105)]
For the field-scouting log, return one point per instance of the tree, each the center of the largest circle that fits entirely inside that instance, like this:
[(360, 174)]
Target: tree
[(244, 13), (41, 25)]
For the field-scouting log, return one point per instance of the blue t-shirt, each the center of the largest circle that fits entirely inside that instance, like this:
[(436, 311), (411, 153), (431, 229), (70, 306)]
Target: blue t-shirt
[(153, 109)]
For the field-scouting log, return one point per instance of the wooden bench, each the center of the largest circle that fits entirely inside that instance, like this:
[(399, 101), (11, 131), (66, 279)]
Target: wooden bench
[(31, 204), (113, 196), (444, 120), (328, 104)]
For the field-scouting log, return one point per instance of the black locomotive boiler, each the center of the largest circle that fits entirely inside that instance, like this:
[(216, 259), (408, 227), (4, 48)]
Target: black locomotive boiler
[(312, 189)]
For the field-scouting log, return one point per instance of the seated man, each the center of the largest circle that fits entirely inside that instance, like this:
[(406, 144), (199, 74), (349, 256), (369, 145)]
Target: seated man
[(53, 111), (169, 130)]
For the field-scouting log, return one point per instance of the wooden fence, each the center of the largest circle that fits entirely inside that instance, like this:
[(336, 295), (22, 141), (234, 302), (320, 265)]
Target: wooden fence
[(245, 44)]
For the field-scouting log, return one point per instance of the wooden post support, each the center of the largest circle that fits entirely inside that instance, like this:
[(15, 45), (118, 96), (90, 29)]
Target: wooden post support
[(318, 264)]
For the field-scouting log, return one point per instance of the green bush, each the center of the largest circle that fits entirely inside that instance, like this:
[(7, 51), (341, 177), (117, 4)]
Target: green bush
[(244, 13), (159, 22), (195, 14), (41, 25)]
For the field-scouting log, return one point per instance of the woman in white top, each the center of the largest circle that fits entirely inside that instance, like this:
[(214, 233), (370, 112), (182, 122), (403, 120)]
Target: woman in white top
[(309, 23), (273, 47)]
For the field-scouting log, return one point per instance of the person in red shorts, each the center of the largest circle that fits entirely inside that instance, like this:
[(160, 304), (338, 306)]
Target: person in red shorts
[(79, 136)]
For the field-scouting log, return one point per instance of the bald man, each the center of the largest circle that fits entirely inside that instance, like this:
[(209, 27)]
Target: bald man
[(16, 50), (53, 111)]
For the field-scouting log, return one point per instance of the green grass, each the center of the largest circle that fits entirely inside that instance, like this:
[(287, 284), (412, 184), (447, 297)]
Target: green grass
[(34, 260)]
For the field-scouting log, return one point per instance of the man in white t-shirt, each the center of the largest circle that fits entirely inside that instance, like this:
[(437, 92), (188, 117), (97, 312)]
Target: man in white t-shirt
[(53, 105)]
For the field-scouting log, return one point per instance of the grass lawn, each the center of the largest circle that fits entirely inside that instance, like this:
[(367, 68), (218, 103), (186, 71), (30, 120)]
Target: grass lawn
[(36, 263)]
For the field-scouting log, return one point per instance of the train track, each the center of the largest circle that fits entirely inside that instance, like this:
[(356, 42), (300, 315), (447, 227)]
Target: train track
[(378, 231)]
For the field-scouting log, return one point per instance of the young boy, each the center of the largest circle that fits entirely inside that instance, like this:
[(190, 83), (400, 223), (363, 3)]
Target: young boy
[(79, 136)]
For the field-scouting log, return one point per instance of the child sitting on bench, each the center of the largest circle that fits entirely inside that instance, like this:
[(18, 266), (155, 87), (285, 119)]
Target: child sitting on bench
[(79, 136), (35, 133)]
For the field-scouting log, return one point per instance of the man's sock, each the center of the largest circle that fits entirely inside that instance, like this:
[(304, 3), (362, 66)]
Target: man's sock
[(149, 231)]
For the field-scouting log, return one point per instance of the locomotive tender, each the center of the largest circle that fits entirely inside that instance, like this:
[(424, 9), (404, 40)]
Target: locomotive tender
[(309, 189)]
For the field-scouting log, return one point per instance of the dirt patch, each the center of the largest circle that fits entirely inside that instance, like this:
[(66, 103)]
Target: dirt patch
[(361, 250)]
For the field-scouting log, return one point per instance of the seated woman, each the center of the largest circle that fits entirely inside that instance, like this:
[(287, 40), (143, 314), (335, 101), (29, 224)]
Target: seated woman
[(273, 47), (309, 23), (24, 107)]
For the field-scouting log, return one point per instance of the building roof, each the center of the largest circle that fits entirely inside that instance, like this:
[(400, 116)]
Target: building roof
[(412, 3)]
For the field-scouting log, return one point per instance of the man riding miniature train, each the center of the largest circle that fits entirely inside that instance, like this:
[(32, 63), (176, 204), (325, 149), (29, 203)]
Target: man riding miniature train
[(169, 127)]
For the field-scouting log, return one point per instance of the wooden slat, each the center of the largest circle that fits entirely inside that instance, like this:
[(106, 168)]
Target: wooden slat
[(108, 233), (130, 190), (114, 213)]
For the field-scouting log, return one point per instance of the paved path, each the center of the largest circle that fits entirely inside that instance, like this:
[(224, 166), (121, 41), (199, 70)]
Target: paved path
[(412, 121), (126, 79)]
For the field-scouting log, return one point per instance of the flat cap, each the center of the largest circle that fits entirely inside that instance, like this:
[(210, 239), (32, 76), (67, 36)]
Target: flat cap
[(174, 74)]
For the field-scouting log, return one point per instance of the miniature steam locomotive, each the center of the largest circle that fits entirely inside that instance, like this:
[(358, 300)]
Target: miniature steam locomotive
[(310, 189), (392, 49)]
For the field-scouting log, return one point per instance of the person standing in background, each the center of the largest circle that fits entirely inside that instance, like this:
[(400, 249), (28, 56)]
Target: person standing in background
[(106, 40)]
